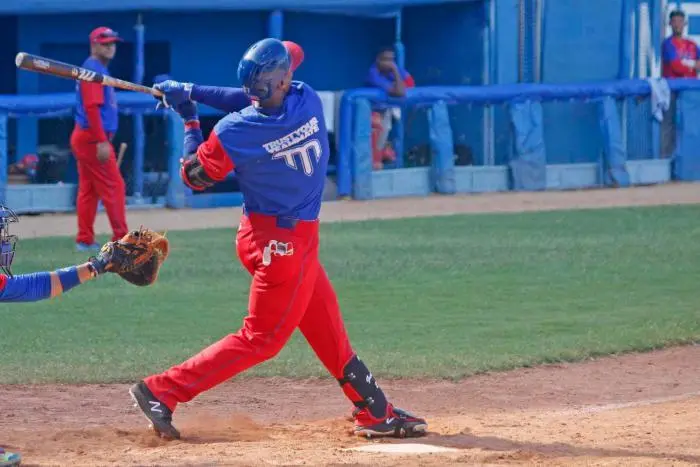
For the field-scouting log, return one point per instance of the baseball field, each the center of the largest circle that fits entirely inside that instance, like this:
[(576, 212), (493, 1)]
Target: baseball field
[(528, 328)]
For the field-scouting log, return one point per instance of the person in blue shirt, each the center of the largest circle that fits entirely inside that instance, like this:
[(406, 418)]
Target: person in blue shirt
[(386, 75), (96, 122), (40, 285), (275, 140)]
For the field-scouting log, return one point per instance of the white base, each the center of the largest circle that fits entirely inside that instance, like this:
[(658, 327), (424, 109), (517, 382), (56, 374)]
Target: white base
[(402, 448)]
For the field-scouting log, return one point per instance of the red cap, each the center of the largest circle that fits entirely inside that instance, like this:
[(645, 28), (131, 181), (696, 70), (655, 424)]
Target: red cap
[(104, 35), (296, 52)]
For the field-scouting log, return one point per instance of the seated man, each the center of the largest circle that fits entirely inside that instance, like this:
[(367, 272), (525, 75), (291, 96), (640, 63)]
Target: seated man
[(386, 74)]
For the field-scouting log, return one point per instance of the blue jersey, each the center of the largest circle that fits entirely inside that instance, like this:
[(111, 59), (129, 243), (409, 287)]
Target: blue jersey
[(25, 287), (96, 94), (280, 159)]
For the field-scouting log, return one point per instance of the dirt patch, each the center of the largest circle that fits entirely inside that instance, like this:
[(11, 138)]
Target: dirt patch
[(634, 409)]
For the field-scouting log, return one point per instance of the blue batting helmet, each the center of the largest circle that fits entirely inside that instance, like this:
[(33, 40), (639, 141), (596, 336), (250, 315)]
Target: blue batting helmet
[(263, 67), (7, 241)]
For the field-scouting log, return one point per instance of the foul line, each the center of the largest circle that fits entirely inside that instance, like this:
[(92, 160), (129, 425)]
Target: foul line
[(591, 409)]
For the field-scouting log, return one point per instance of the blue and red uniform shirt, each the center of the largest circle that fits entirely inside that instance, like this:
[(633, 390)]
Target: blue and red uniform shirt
[(96, 105), (377, 79), (280, 158), (678, 56)]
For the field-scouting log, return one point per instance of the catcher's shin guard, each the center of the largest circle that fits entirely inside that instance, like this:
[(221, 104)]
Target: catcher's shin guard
[(160, 416), (374, 415)]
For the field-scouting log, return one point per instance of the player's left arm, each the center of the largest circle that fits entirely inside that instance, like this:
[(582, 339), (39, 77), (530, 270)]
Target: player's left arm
[(221, 98), (44, 285), (206, 162)]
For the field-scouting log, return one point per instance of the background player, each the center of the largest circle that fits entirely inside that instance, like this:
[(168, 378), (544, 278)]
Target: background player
[(679, 54), (38, 286), (96, 122), (278, 148)]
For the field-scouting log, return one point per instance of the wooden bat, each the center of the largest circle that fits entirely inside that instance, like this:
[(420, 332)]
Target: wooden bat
[(120, 156), (51, 67)]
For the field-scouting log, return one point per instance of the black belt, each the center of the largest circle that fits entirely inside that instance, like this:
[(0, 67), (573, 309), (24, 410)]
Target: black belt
[(283, 222)]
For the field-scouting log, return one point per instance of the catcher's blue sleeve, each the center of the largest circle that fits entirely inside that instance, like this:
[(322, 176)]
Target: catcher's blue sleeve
[(25, 287), (221, 98)]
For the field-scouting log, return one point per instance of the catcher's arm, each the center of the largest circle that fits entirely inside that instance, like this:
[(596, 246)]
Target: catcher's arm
[(43, 285), (136, 257)]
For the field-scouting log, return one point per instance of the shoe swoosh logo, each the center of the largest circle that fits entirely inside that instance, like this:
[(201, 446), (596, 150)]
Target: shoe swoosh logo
[(390, 419)]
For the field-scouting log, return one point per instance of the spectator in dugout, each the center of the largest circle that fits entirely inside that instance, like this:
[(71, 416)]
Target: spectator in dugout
[(680, 60), (387, 75)]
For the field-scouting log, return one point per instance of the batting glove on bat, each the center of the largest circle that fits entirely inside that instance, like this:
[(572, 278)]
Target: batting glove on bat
[(174, 93)]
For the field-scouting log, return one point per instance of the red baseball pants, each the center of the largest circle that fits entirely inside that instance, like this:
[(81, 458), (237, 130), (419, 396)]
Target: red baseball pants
[(97, 181), (290, 290)]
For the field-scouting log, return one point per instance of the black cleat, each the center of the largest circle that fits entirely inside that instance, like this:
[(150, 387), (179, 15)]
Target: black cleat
[(160, 416), (398, 424)]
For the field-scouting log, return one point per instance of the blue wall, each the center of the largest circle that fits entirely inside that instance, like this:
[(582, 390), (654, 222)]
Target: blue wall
[(339, 48), (506, 70), (581, 43), (444, 46)]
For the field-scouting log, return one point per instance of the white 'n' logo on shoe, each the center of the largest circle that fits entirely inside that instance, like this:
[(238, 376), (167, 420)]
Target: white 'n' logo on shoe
[(155, 406)]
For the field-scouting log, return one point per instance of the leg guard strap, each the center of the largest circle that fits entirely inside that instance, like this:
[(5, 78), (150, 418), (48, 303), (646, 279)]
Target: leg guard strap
[(362, 389)]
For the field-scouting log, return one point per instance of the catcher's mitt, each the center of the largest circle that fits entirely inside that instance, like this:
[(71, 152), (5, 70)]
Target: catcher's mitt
[(137, 256)]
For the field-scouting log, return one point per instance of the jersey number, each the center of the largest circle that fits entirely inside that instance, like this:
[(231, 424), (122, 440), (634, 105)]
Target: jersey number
[(307, 152)]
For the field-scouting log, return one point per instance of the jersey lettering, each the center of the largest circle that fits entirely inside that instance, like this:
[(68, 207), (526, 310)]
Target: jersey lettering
[(306, 152), (297, 136)]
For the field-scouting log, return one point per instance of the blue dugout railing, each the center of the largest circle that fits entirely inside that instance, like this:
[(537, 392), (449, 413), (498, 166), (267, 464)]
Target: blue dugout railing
[(62, 104), (350, 149)]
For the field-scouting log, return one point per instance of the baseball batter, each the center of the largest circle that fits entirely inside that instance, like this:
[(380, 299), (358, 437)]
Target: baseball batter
[(38, 286), (278, 148)]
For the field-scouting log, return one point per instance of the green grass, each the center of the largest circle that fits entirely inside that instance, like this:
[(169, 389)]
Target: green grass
[(441, 297)]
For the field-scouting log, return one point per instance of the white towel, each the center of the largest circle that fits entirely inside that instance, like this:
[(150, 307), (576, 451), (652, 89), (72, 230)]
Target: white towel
[(660, 97)]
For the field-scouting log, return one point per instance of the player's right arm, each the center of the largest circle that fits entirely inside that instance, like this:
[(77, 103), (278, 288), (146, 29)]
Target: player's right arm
[(670, 56), (92, 96), (396, 87)]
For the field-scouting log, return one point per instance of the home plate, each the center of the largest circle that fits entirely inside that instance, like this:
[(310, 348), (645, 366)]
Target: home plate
[(402, 448)]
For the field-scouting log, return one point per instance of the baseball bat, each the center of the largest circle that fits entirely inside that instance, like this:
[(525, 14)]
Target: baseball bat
[(120, 156), (47, 66)]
